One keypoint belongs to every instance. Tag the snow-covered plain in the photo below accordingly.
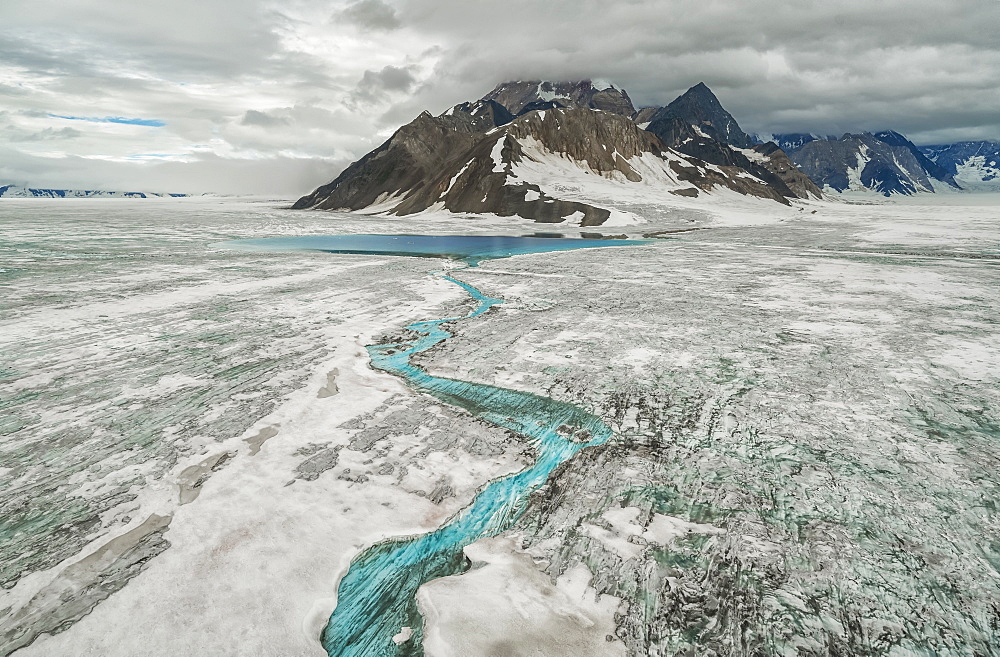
(194, 446)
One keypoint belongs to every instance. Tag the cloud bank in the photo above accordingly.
(255, 96)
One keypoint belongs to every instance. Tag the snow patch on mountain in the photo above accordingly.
(978, 170)
(603, 85)
(497, 154)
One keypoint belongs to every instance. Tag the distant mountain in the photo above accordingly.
(473, 158)
(792, 141)
(931, 168)
(886, 163)
(15, 191)
(974, 164)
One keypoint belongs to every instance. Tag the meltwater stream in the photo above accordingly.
(376, 597)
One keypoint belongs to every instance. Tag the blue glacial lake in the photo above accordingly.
(470, 248)
(376, 597)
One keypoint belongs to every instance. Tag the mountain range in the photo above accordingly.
(975, 164)
(17, 191)
(508, 152)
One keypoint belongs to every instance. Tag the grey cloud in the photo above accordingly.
(49, 134)
(813, 66)
(305, 130)
(254, 117)
(370, 15)
(390, 78)
(328, 90)
(375, 85)
(7, 90)
(191, 38)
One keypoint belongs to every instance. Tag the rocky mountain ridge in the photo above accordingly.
(499, 154)
(442, 163)
(495, 155)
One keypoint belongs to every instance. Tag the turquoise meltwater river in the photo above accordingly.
(376, 597)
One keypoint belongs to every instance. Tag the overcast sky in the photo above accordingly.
(256, 96)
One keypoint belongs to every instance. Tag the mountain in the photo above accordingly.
(16, 191)
(886, 163)
(975, 164)
(521, 97)
(696, 124)
(472, 158)
(691, 140)
(931, 168)
(699, 107)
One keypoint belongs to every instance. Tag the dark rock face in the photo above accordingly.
(516, 96)
(479, 116)
(674, 131)
(414, 153)
(476, 179)
(644, 115)
(541, 105)
(777, 162)
(699, 107)
(982, 157)
(888, 167)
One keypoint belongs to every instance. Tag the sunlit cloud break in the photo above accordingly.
(155, 123)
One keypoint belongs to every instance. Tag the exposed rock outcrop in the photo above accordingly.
(777, 162)
(885, 162)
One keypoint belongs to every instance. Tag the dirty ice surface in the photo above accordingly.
(804, 400)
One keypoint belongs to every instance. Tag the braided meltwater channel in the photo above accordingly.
(376, 598)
